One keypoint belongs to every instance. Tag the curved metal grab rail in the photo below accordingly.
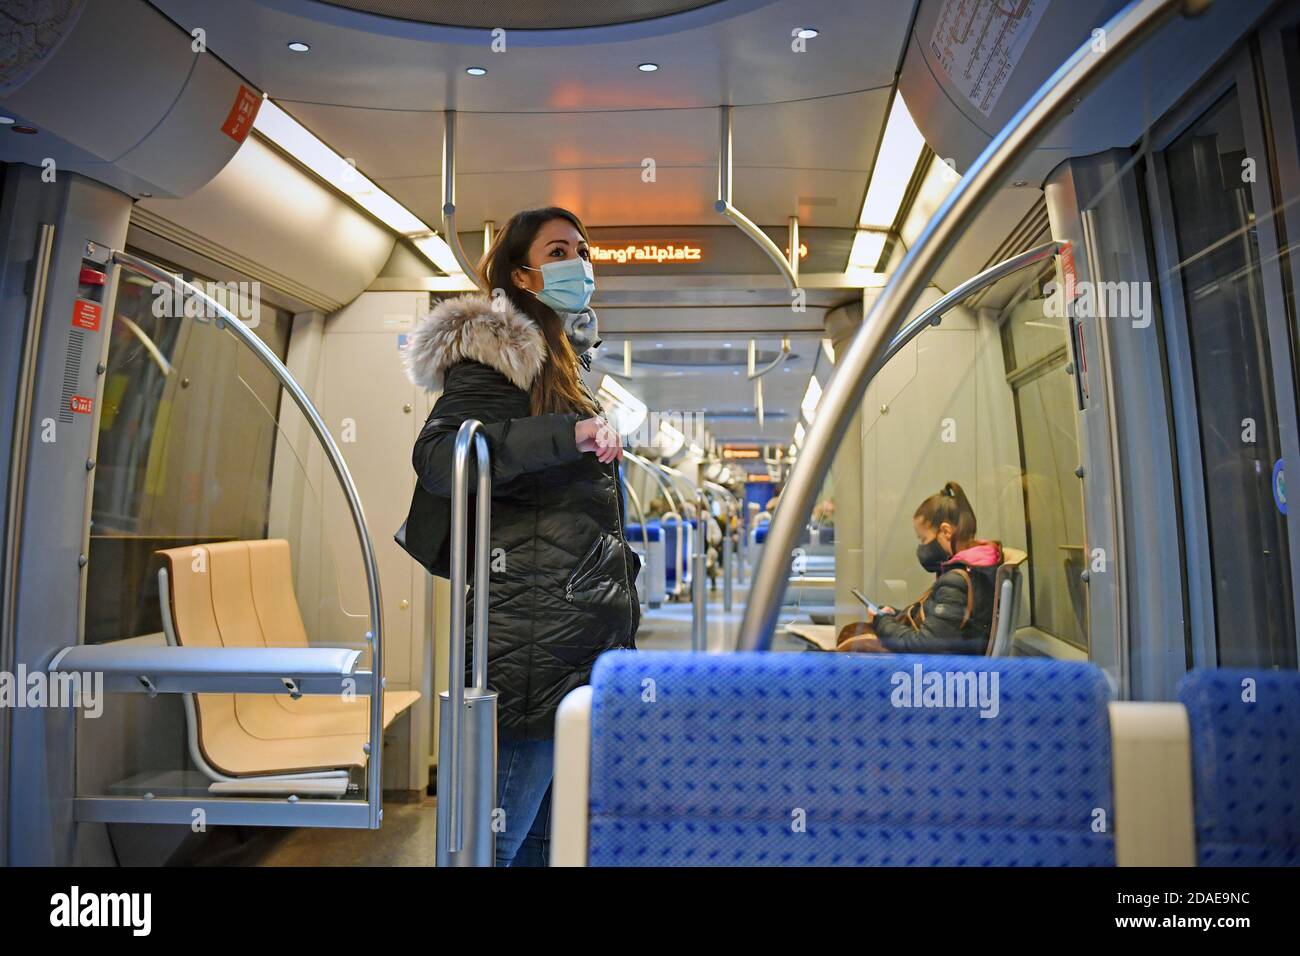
(780, 358)
(1084, 69)
(449, 233)
(374, 748)
(687, 487)
(657, 474)
(723, 206)
(733, 558)
(933, 315)
(645, 533)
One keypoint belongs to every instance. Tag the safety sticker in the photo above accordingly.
(85, 315)
(242, 114)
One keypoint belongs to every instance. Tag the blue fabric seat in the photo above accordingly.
(805, 534)
(634, 534)
(1245, 765)
(777, 759)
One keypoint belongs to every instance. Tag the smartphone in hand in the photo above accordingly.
(873, 608)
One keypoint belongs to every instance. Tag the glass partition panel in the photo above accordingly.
(980, 406)
(202, 455)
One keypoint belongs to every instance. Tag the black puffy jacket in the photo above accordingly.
(562, 573)
(954, 616)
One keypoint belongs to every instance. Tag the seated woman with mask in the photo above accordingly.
(955, 614)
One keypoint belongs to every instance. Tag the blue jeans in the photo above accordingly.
(524, 769)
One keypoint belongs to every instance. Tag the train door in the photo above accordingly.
(1221, 265)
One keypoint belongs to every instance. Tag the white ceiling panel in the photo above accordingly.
(735, 51)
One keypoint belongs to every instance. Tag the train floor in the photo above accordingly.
(410, 819)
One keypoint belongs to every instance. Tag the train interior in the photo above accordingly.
(220, 223)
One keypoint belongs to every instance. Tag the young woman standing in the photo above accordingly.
(561, 589)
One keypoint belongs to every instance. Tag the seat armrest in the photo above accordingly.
(1152, 772)
(572, 782)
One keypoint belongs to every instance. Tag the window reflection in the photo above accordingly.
(185, 448)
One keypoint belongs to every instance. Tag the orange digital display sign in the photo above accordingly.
(646, 253)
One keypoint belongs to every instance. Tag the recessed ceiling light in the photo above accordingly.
(807, 33)
(659, 345)
(726, 345)
(297, 46)
(475, 70)
(7, 121)
(647, 67)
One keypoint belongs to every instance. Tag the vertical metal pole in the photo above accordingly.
(724, 157)
(727, 559)
(742, 539)
(794, 247)
(700, 582)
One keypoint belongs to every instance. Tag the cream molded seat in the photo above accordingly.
(243, 596)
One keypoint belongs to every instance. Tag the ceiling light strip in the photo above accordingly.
(312, 153)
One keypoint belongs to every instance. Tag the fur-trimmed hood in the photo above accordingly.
(469, 328)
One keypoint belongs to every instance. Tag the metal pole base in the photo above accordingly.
(479, 722)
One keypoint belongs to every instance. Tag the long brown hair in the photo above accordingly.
(950, 504)
(557, 387)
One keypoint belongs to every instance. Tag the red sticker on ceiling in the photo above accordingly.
(242, 114)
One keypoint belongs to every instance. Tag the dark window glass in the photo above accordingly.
(1218, 252)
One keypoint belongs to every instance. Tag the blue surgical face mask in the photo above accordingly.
(567, 285)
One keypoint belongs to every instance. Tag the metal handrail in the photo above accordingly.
(933, 315)
(471, 431)
(657, 474)
(780, 358)
(373, 748)
(700, 580)
(746, 225)
(449, 233)
(1084, 69)
(682, 482)
(732, 504)
(645, 536)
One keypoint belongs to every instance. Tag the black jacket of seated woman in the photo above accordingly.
(561, 582)
(955, 614)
